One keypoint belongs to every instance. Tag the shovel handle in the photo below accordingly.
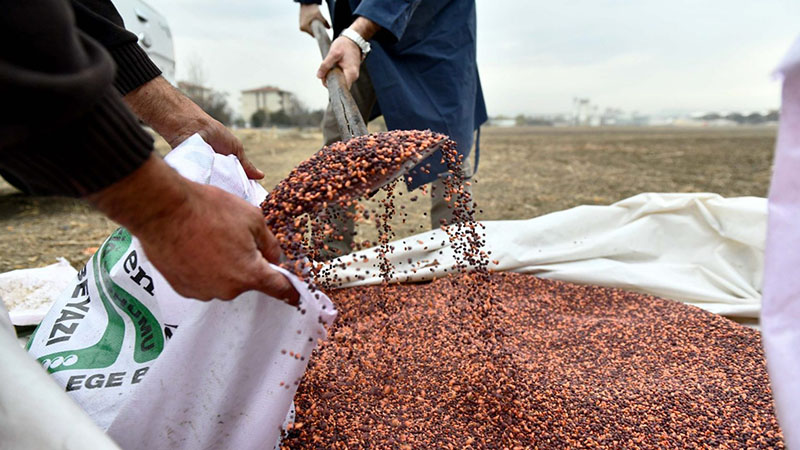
(345, 109)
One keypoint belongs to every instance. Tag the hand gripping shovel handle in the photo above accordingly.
(348, 118)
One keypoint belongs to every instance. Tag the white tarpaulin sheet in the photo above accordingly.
(780, 320)
(29, 293)
(700, 249)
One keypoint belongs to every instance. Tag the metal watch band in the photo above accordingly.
(359, 41)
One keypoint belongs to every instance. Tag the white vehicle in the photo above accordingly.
(153, 32)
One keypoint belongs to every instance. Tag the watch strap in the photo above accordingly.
(362, 43)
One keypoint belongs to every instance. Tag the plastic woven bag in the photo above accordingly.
(157, 370)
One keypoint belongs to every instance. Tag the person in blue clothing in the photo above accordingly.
(414, 62)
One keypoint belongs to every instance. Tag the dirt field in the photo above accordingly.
(524, 172)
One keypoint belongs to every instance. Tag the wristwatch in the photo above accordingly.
(353, 35)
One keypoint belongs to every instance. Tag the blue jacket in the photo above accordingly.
(423, 67)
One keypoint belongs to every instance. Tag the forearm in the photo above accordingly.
(205, 242)
(176, 118)
(146, 197)
(166, 110)
(365, 27)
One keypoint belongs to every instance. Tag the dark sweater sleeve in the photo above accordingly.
(63, 127)
(103, 23)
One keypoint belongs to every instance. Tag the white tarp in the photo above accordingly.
(780, 319)
(700, 249)
(29, 293)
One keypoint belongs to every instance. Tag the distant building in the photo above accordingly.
(270, 99)
(619, 117)
(584, 113)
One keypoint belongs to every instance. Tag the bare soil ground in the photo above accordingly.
(524, 172)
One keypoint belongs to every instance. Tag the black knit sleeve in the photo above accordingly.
(63, 127)
(134, 67)
(101, 20)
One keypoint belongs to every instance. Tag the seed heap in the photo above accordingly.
(303, 208)
(531, 363)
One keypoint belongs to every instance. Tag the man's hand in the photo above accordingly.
(207, 243)
(346, 54)
(308, 14)
(175, 117)
(217, 246)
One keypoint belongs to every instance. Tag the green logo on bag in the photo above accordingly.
(149, 339)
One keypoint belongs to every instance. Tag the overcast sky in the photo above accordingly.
(533, 56)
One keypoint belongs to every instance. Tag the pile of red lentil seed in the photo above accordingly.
(531, 363)
(300, 213)
(503, 360)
